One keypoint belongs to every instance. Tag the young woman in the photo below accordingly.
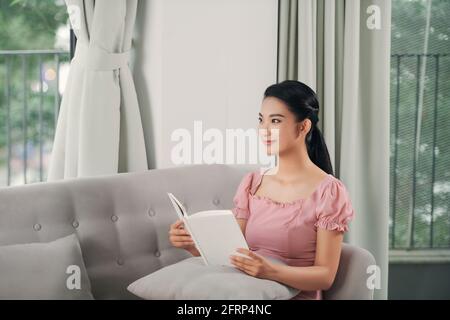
(299, 213)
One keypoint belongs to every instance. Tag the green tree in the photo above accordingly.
(28, 25)
(408, 37)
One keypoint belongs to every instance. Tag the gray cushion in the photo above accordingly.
(190, 279)
(44, 271)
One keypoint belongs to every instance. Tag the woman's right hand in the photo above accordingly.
(179, 237)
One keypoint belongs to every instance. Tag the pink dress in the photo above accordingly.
(288, 230)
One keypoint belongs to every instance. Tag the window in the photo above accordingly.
(34, 63)
(420, 125)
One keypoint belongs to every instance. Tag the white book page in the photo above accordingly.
(182, 214)
(208, 212)
(219, 235)
(179, 208)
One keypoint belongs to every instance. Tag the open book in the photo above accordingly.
(216, 233)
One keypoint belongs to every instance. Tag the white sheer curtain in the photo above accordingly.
(99, 129)
(341, 48)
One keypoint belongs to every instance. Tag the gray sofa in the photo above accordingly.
(122, 222)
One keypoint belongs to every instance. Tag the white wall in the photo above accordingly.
(208, 60)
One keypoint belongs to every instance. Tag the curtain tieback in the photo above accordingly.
(94, 57)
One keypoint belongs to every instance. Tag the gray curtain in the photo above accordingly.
(337, 48)
(99, 129)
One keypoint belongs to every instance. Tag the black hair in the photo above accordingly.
(303, 103)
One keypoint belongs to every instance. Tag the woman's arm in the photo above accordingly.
(321, 275)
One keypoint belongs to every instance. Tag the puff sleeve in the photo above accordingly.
(240, 200)
(335, 209)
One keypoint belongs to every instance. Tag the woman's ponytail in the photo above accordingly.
(318, 151)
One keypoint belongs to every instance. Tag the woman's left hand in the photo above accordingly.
(256, 265)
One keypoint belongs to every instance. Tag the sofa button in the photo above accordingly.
(151, 212)
(120, 262)
(37, 227)
(216, 202)
(157, 253)
(75, 224)
(114, 218)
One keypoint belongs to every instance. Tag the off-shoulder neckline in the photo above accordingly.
(288, 203)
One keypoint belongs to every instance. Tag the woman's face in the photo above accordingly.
(274, 114)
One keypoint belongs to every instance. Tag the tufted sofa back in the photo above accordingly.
(122, 220)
